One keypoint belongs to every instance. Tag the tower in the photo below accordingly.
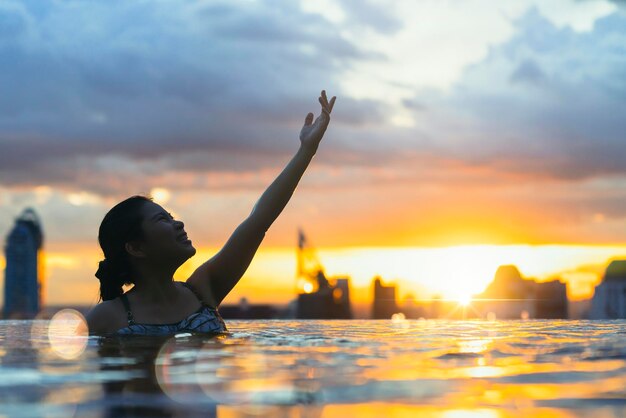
(23, 274)
(384, 300)
(609, 298)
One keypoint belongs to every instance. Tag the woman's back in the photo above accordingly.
(204, 320)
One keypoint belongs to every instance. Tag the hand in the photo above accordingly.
(312, 132)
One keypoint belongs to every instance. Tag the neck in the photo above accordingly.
(154, 285)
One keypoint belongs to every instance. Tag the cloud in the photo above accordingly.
(147, 81)
(178, 88)
(550, 102)
(197, 97)
(374, 14)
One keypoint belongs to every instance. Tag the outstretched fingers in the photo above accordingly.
(325, 108)
(328, 107)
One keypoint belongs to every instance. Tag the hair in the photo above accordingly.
(120, 225)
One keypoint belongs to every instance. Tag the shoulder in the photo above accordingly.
(105, 317)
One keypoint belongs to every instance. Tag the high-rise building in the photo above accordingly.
(23, 274)
(609, 298)
(384, 301)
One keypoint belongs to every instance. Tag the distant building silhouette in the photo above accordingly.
(511, 296)
(609, 298)
(23, 275)
(245, 310)
(551, 300)
(341, 295)
(411, 309)
(320, 297)
(384, 300)
(327, 302)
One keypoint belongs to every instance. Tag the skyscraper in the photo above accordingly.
(609, 298)
(384, 301)
(23, 275)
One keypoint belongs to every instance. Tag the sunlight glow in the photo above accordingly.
(465, 300)
(423, 272)
(64, 261)
(456, 271)
(83, 198)
(160, 195)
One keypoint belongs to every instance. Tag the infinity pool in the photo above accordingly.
(311, 368)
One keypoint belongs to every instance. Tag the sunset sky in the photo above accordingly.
(465, 135)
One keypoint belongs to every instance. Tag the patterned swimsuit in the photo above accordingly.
(205, 320)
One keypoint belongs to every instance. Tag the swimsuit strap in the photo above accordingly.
(195, 292)
(124, 298)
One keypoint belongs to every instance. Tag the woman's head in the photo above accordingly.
(138, 231)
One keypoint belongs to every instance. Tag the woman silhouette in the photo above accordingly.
(144, 245)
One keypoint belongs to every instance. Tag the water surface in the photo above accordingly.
(315, 368)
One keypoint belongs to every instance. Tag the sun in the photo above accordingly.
(464, 300)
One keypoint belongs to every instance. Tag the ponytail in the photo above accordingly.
(112, 277)
(120, 225)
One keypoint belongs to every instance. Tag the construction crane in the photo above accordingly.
(317, 298)
(310, 272)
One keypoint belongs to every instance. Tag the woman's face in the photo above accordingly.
(165, 238)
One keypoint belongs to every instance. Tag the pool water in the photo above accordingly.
(321, 368)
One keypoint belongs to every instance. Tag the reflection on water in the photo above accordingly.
(362, 368)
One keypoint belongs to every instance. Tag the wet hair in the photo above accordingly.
(120, 225)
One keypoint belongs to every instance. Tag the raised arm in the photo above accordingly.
(219, 275)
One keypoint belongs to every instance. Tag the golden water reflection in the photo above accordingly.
(322, 369)
(480, 368)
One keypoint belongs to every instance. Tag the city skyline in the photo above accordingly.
(422, 273)
(508, 295)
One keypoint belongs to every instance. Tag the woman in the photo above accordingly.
(144, 245)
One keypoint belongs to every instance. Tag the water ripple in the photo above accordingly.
(568, 366)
